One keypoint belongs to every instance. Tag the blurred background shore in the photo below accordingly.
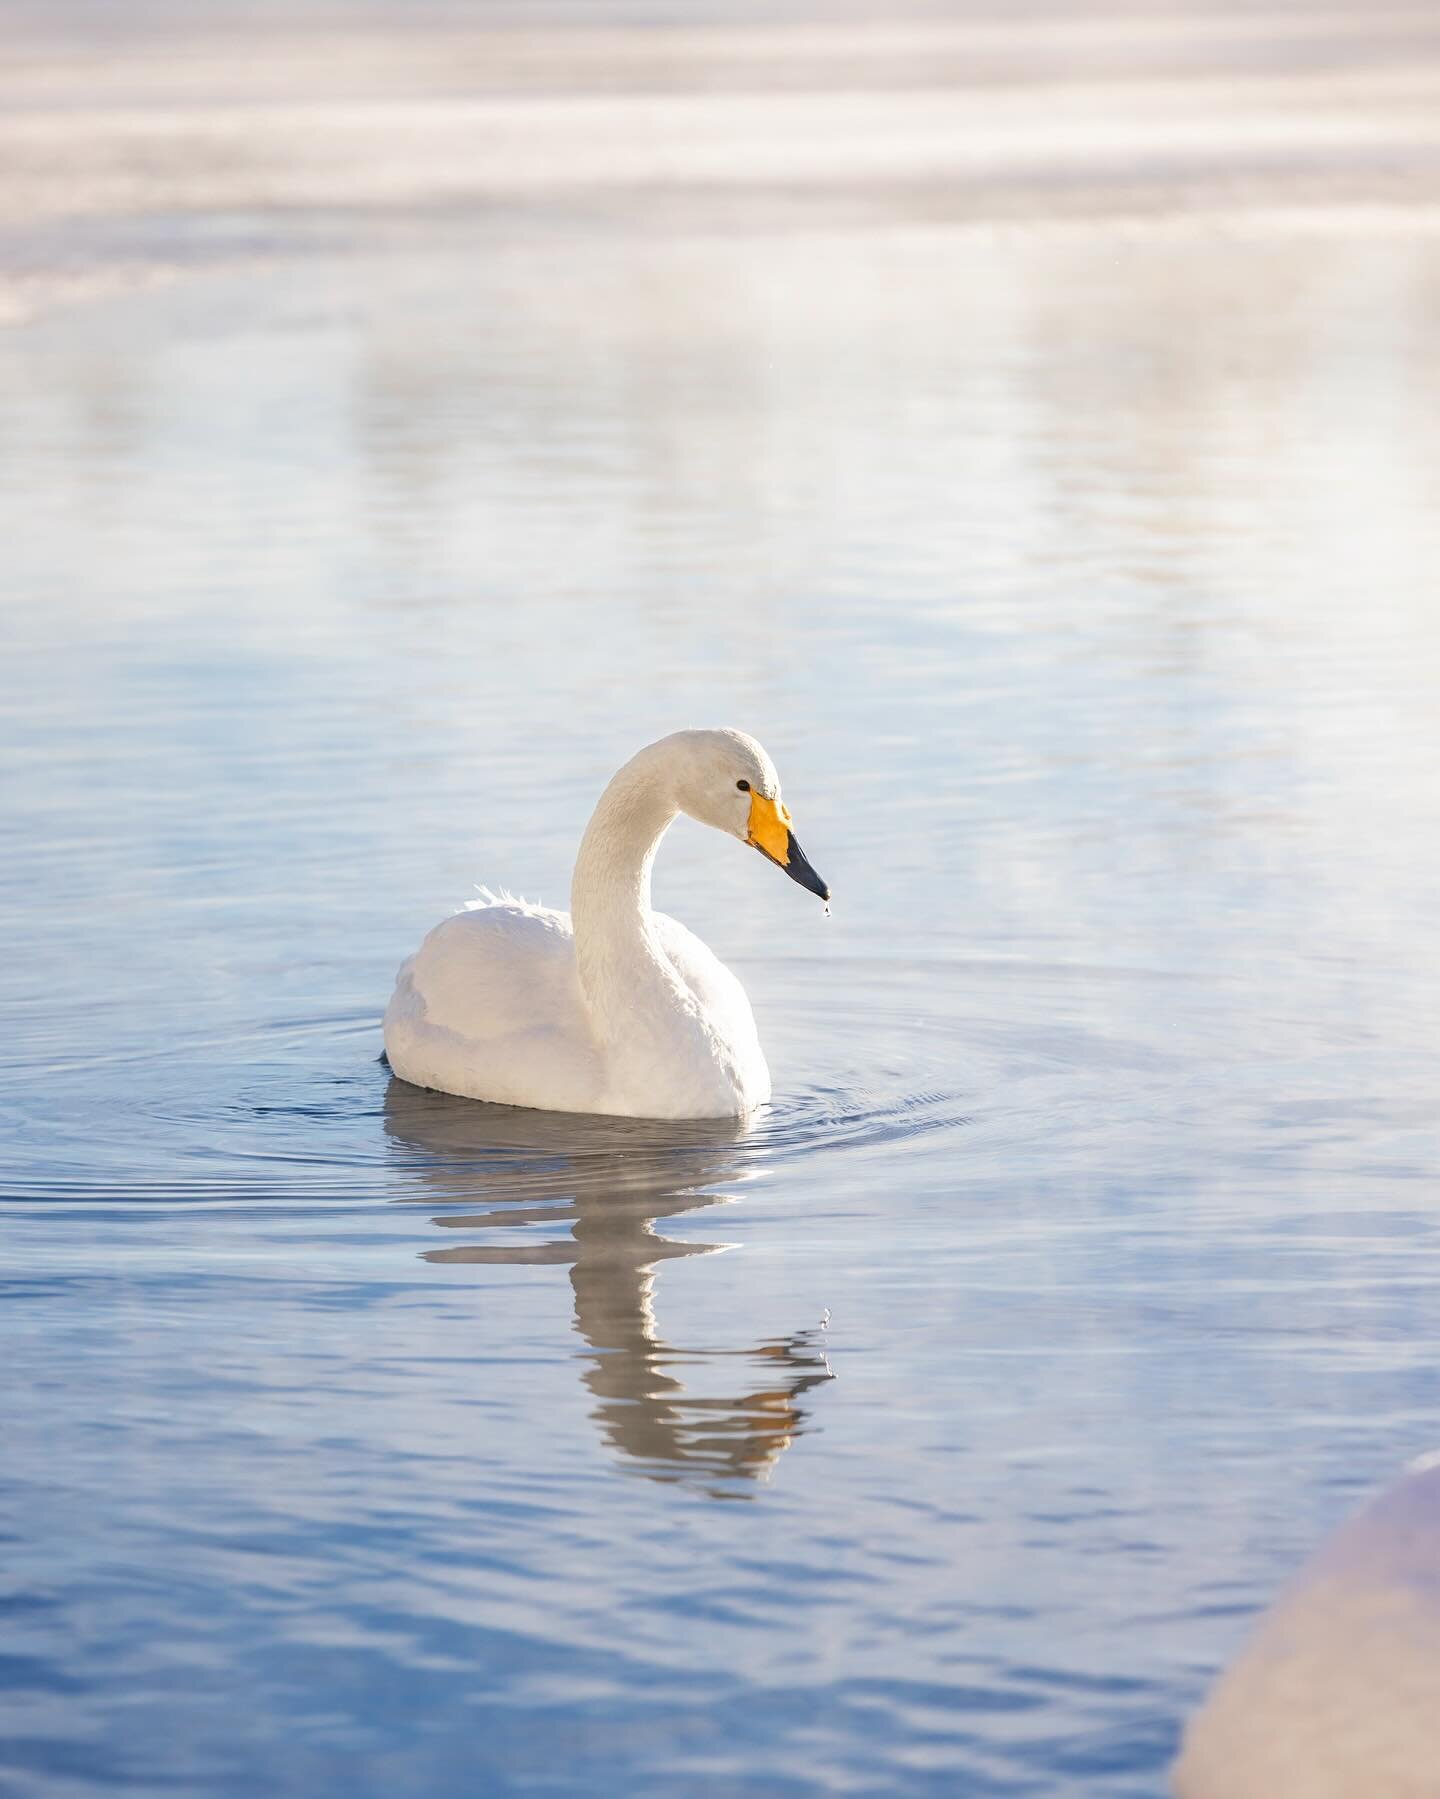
(139, 143)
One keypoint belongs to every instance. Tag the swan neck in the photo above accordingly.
(615, 945)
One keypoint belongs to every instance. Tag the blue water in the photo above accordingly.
(940, 1433)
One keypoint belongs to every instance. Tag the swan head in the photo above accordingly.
(725, 779)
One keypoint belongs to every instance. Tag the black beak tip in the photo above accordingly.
(798, 868)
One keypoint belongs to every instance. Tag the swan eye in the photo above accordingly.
(744, 786)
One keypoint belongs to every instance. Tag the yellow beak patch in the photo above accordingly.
(770, 828)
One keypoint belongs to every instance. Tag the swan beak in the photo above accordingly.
(770, 833)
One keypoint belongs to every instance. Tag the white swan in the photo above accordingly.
(611, 1007)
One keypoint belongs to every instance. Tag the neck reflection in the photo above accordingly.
(611, 1180)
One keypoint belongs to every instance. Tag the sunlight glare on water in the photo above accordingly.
(937, 1433)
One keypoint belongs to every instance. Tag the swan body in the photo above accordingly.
(612, 1007)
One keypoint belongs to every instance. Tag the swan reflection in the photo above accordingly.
(611, 1180)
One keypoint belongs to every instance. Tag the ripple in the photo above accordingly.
(816, 1118)
(305, 1113)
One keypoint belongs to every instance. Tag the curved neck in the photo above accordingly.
(615, 947)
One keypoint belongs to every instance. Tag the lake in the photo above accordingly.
(940, 1432)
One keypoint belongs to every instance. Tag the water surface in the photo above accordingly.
(939, 1433)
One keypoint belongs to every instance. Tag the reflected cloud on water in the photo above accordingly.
(611, 1180)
